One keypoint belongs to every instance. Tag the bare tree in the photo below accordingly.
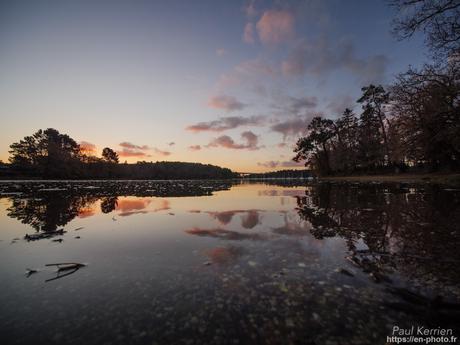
(438, 19)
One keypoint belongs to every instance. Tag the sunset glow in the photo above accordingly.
(230, 83)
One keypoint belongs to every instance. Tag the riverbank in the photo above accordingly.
(445, 179)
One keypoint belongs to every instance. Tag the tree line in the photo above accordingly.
(414, 123)
(51, 154)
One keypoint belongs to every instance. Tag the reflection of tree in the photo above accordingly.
(108, 204)
(48, 212)
(415, 230)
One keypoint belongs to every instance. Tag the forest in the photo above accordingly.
(413, 124)
(50, 154)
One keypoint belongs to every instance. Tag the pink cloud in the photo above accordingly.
(294, 126)
(132, 153)
(250, 8)
(226, 123)
(321, 57)
(133, 150)
(194, 147)
(280, 164)
(131, 146)
(87, 147)
(161, 153)
(221, 52)
(254, 71)
(276, 26)
(227, 142)
(227, 103)
(248, 34)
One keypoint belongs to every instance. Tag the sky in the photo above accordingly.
(231, 83)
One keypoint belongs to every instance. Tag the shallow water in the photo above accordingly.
(204, 262)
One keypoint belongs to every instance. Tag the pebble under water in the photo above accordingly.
(226, 262)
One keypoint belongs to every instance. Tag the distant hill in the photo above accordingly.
(137, 171)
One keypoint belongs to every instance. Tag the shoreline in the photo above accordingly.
(434, 178)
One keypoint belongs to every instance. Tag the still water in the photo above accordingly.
(206, 262)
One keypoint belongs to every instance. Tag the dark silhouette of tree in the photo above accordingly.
(48, 212)
(439, 19)
(47, 152)
(108, 204)
(109, 155)
(316, 146)
(373, 124)
(426, 107)
(50, 154)
(347, 136)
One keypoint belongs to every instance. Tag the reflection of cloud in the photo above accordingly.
(275, 26)
(223, 255)
(86, 212)
(225, 123)
(128, 207)
(284, 192)
(227, 142)
(227, 103)
(291, 228)
(224, 217)
(250, 219)
(223, 234)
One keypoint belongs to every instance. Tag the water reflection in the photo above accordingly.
(220, 262)
(390, 228)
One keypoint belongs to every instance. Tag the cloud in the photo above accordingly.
(295, 105)
(282, 164)
(225, 123)
(320, 57)
(276, 26)
(133, 150)
(131, 146)
(340, 103)
(227, 103)
(87, 148)
(221, 52)
(160, 152)
(253, 71)
(227, 142)
(132, 153)
(293, 127)
(194, 147)
(248, 33)
(250, 9)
